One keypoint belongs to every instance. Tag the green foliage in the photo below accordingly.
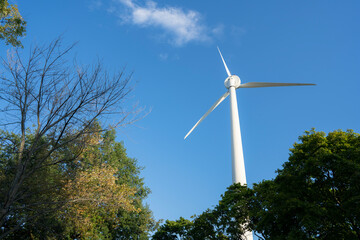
(316, 195)
(12, 25)
(62, 175)
(99, 195)
(228, 220)
(40, 193)
(179, 229)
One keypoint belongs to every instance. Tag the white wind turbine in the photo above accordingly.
(232, 82)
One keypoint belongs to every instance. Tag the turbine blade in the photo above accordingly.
(269, 84)
(208, 112)
(227, 70)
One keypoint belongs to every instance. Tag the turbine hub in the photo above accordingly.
(232, 81)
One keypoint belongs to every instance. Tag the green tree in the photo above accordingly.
(228, 220)
(172, 230)
(98, 196)
(316, 195)
(12, 25)
(52, 108)
(40, 194)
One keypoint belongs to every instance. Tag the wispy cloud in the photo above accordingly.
(95, 4)
(182, 26)
(163, 56)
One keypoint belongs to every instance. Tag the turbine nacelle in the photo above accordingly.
(232, 81)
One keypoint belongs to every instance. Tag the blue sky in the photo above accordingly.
(178, 74)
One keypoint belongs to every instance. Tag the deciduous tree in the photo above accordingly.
(52, 107)
(12, 25)
(228, 220)
(135, 222)
(98, 196)
(179, 229)
(316, 195)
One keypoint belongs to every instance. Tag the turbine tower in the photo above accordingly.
(233, 82)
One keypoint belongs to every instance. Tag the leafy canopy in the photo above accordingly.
(316, 195)
(12, 25)
(98, 196)
(52, 109)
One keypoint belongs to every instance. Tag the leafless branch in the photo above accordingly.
(46, 97)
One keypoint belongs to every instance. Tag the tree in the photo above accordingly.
(179, 229)
(316, 195)
(12, 25)
(93, 197)
(228, 220)
(98, 196)
(124, 224)
(52, 107)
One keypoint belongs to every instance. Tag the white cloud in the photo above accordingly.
(182, 26)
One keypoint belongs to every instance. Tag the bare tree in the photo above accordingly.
(55, 100)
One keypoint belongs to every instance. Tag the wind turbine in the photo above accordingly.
(233, 82)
